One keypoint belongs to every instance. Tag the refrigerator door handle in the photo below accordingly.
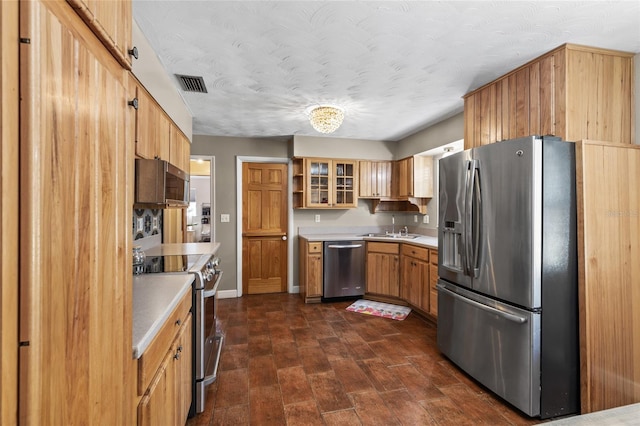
(477, 217)
(506, 315)
(468, 211)
(470, 246)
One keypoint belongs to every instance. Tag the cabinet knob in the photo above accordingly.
(176, 356)
(284, 238)
(178, 322)
(180, 348)
(133, 103)
(133, 52)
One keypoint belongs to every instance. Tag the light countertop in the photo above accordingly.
(625, 415)
(172, 249)
(425, 241)
(154, 298)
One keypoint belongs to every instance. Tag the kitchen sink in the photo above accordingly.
(390, 235)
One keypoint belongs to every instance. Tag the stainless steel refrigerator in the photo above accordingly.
(507, 288)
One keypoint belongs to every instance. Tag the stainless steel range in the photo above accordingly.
(208, 336)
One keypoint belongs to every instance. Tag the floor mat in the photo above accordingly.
(379, 309)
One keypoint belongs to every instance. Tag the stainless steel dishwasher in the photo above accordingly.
(343, 269)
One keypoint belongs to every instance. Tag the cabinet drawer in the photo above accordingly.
(150, 360)
(391, 248)
(421, 253)
(315, 247)
(433, 257)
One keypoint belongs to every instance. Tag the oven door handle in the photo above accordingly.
(212, 291)
(212, 377)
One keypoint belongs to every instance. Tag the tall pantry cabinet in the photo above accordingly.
(9, 212)
(76, 196)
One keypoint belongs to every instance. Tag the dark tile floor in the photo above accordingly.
(287, 363)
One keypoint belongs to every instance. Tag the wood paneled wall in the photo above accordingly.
(9, 212)
(609, 273)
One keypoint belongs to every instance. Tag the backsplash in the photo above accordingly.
(146, 222)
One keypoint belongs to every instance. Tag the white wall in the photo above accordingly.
(327, 147)
(150, 72)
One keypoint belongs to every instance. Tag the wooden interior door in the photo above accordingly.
(264, 228)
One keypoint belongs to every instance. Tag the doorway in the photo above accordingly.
(201, 211)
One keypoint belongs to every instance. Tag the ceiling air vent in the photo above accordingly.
(190, 83)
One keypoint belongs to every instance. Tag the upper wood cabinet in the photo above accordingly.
(325, 183)
(179, 149)
(573, 92)
(75, 214)
(111, 21)
(375, 179)
(413, 177)
(152, 127)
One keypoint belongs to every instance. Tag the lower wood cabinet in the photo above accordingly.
(383, 268)
(433, 281)
(415, 276)
(165, 371)
(310, 270)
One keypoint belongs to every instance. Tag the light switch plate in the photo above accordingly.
(140, 224)
(224, 218)
(425, 219)
(317, 218)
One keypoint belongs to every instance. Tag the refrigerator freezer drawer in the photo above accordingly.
(497, 344)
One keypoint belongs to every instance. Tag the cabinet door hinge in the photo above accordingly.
(25, 40)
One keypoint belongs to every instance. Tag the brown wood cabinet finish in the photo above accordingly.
(413, 177)
(111, 22)
(9, 211)
(164, 371)
(433, 281)
(415, 276)
(310, 270)
(179, 149)
(608, 273)
(375, 179)
(383, 268)
(574, 92)
(76, 152)
(325, 183)
(152, 127)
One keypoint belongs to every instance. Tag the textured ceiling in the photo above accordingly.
(395, 67)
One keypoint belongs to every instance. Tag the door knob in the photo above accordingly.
(284, 238)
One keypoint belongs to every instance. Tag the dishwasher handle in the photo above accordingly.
(344, 246)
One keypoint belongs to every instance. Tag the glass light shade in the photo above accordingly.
(326, 118)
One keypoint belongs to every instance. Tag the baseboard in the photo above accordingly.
(232, 294)
(227, 294)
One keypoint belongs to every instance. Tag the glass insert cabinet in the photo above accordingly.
(325, 183)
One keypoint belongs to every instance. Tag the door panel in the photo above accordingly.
(497, 344)
(264, 228)
(451, 211)
(511, 220)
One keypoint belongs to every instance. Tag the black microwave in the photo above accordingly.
(160, 184)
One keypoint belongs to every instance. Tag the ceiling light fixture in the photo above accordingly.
(325, 118)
